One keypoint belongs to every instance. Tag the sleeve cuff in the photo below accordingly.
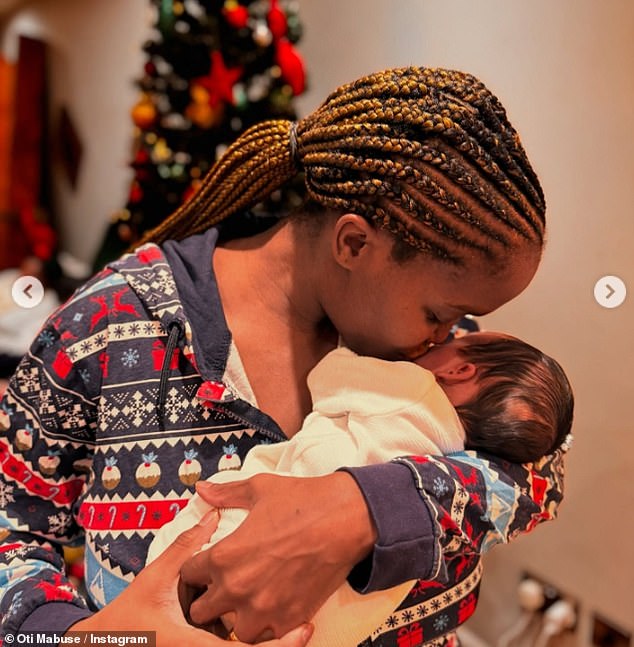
(406, 546)
(56, 617)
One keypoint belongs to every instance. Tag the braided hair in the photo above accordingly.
(427, 154)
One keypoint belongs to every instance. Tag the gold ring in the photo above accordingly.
(232, 636)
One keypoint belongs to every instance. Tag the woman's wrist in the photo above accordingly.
(360, 530)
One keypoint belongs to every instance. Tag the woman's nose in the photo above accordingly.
(442, 332)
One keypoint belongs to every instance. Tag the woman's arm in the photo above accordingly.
(383, 524)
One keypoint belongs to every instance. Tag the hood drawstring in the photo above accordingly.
(175, 331)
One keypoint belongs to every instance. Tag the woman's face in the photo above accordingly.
(394, 311)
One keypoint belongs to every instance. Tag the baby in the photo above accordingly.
(485, 391)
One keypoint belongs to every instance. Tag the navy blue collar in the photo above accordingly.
(191, 263)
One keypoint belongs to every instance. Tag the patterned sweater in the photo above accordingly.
(126, 399)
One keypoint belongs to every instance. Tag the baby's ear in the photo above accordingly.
(457, 373)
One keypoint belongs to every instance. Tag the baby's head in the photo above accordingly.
(513, 400)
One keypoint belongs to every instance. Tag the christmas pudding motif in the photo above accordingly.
(111, 475)
(48, 464)
(189, 470)
(230, 459)
(148, 473)
(24, 438)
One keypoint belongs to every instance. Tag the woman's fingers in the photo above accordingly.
(185, 545)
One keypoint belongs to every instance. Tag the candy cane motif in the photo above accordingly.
(143, 510)
(113, 513)
(54, 491)
(27, 476)
(176, 508)
(91, 510)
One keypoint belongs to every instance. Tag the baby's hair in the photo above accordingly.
(524, 406)
(427, 154)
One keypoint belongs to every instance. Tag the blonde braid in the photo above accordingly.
(428, 154)
(255, 165)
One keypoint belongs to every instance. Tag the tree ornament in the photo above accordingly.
(201, 111)
(144, 112)
(166, 17)
(291, 65)
(220, 80)
(136, 193)
(276, 20)
(262, 35)
(235, 14)
(150, 69)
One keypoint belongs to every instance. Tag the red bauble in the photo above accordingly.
(276, 19)
(136, 193)
(291, 66)
(235, 14)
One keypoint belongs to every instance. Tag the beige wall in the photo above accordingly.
(565, 71)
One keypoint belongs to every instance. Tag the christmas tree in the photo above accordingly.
(213, 68)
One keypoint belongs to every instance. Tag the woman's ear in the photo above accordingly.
(456, 373)
(352, 235)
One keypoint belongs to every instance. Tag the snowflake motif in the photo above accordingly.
(58, 523)
(46, 338)
(16, 603)
(119, 331)
(266, 441)
(134, 329)
(440, 487)
(84, 373)
(148, 328)
(447, 598)
(130, 357)
(441, 623)
(163, 283)
(72, 417)
(100, 340)
(435, 605)
(6, 494)
(86, 347)
(421, 611)
(461, 491)
(392, 621)
(72, 354)
(408, 616)
(459, 590)
(458, 508)
(29, 380)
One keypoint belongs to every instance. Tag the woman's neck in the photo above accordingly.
(268, 287)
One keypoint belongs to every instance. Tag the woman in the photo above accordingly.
(176, 360)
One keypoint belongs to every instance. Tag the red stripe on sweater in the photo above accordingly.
(61, 493)
(129, 515)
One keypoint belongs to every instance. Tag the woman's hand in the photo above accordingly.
(150, 603)
(300, 540)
